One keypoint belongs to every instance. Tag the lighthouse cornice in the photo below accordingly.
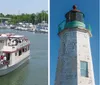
(75, 29)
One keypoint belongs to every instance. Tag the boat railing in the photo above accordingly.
(9, 48)
(22, 44)
(14, 47)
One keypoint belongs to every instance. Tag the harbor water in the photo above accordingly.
(35, 72)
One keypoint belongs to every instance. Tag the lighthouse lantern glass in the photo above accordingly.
(75, 16)
(79, 17)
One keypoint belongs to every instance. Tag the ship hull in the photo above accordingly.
(12, 68)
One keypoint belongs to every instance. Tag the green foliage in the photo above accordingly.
(30, 18)
(1, 15)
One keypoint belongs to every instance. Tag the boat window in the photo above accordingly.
(1, 41)
(19, 41)
(6, 43)
(28, 47)
(23, 49)
(20, 52)
(15, 53)
(8, 56)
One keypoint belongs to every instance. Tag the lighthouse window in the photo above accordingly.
(79, 17)
(73, 16)
(63, 48)
(84, 68)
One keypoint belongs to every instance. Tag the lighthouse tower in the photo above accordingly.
(75, 65)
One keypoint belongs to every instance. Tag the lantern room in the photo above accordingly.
(74, 19)
(74, 15)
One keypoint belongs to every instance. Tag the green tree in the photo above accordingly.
(30, 18)
(1, 15)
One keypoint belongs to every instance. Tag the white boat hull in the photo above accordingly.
(12, 68)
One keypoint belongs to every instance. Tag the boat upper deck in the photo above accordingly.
(10, 35)
(10, 42)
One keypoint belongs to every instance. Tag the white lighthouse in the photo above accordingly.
(75, 66)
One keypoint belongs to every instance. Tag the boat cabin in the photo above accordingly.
(12, 49)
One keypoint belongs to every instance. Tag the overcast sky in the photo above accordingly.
(22, 6)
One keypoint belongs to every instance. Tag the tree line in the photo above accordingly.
(33, 18)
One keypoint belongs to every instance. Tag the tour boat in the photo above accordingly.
(14, 51)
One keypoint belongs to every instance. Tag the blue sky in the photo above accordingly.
(22, 6)
(58, 8)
